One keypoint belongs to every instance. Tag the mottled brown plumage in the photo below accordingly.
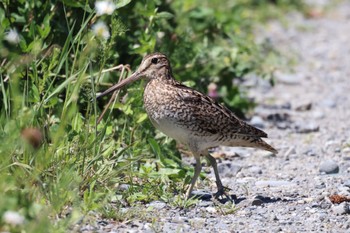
(189, 116)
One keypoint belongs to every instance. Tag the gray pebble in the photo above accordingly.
(282, 125)
(157, 204)
(286, 105)
(310, 152)
(278, 117)
(302, 127)
(255, 170)
(342, 208)
(347, 183)
(318, 115)
(328, 103)
(258, 122)
(102, 222)
(257, 201)
(123, 187)
(325, 205)
(179, 219)
(304, 107)
(322, 216)
(289, 79)
(315, 205)
(320, 186)
(329, 167)
(346, 151)
(205, 203)
(211, 209)
(228, 169)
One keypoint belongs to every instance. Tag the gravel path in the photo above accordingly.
(307, 117)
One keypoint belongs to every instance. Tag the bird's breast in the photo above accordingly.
(166, 112)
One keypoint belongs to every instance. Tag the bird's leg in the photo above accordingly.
(197, 171)
(221, 188)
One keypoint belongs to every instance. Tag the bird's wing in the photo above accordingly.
(214, 117)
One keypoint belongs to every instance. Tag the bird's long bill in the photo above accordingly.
(132, 78)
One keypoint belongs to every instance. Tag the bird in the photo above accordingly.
(190, 117)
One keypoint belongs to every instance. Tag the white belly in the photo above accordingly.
(184, 135)
(172, 130)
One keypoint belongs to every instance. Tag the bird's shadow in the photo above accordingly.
(257, 200)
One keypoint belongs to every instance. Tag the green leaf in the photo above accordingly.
(168, 171)
(141, 118)
(164, 15)
(155, 147)
(122, 3)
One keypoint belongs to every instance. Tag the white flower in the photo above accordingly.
(101, 30)
(160, 35)
(13, 218)
(104, 7)
(12, 36)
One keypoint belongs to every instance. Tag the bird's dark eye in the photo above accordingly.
(154, 60)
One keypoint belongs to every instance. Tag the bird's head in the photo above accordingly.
(153, 66)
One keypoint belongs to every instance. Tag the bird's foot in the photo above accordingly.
(223, 196)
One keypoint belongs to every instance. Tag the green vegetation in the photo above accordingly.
(57, 164)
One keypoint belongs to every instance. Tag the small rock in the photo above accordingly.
(197, 222)
(318, 115)
(211, 209)
(347, 183)
(255, 170)
(306, 127)
(304, 107)
(102, 222)
(274, 218)
(289, 79)
(329, 167)
(179, 219)
(315, 205)
(257, 201)
(320, 186)
(310, 152)
(325, 205)
(328, 103)
(278, 117)
(257, 121)
(229, 169)
(346, 151)
(342, 208)
(301, 201)
(205, 203)
(286, 105)
(123, 187)
(157, 205)
(282, 125)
